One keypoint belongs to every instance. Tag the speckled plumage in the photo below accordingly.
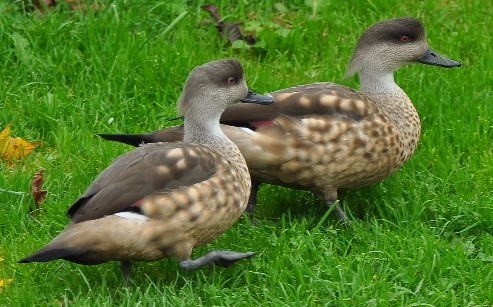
(163, 199)
(324, 137)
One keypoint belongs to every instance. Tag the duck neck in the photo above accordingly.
(203, 127)
(394, 103)
(372, 82)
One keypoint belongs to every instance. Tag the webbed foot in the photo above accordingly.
(219, 258)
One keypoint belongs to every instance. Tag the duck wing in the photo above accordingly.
(318, 99)
(302, 101)
(148, 170)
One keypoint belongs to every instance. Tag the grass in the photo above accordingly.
(423, 237)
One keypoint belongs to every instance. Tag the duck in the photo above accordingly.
(325, 137)
(162, 200)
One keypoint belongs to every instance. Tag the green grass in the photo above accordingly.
(422, 237)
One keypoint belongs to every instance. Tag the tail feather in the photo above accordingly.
(174, 134)
(129, 139)
(75, 256)
(46, 255)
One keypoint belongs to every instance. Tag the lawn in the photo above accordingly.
(423, 237)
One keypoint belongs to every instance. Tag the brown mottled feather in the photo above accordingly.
(324, 137)
(166, 167)
(163, 199)
(317, 98)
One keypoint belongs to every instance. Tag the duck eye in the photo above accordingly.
(231, 81)
(404, 38)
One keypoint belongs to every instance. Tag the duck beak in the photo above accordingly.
(432, 58)
(251, 97)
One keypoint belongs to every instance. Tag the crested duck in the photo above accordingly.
(324, 137)
(163, 199)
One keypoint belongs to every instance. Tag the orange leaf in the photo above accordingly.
(5, 133)
(13, 148)
(4, 283)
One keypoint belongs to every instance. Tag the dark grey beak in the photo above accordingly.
(251, 97)
(432, 58)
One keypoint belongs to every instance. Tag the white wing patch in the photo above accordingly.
(132, 216)
(247, 130)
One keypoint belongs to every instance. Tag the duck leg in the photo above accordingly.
(219, 258)
(252, 199)
(126, 268)
(339, 213)
(332, 200)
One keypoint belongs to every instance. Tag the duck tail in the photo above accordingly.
(174, 134)
(129, 139)
(46, 255)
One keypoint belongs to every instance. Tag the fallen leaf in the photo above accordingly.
(4, 283)
(13, 148)
(229, 31)
(36, 189)
(74, 5)
(42, 5)
(81, 5)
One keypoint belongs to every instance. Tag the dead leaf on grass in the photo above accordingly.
(229, 31)
(37, 191)
(4, 282)
(74, 5)
(12, 149)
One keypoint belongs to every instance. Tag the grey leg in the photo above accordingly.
(252, 200)
(219, 258)
(126, 268)
(341, 216)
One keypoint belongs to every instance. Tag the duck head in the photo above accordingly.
(217, 85)
(390, 44)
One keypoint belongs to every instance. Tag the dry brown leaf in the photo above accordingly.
(74, 5)
(81, 5)
(229, 31)
(36, 189)
(42, 5)
(14, 148)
